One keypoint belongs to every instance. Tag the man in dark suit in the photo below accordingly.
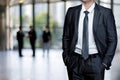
(20, 36)
(89, 41)
(32, 37)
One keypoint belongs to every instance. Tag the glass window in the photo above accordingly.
(56, 23)
(72, 3)
(57, 14)
(27, 15)
(14, 16)
(40, 21)
(117, 13)
(106, 1)
(117, 2)
(14, 24)
(117, 19)
(26, 22)
(105, 5)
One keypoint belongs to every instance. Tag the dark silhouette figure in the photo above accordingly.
(32, 38)
(20, 36)
(89, 41)
(46, 37)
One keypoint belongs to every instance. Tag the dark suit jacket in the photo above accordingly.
(104, 30)
(46, 36)
(32, 36)
(20, 36)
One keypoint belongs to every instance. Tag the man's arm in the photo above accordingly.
(66, 32)
(66, 36)
(111, 39)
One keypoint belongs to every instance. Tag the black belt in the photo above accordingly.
(90, 55)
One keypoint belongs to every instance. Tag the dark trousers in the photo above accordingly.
(20, 46)
(33, 47)
(90, 69)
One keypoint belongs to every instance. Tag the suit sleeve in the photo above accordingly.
(111, 39)
(66, 31)
(66, 36)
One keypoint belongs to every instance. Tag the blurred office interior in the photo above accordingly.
(39, 13)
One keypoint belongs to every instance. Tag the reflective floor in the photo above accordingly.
(47, 67)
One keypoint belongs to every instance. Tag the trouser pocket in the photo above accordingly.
(72, 62)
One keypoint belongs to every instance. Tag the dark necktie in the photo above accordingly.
(85, 44)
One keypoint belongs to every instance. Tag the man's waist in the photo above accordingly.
(93, 55)
(91, 51)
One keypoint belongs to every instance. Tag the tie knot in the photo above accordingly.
(86, 12)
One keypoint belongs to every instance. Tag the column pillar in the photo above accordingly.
(2, 28)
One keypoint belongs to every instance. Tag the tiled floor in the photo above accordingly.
(49, 67)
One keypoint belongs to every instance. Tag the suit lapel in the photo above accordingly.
(77, 16)
(96, 18)
(75, 23)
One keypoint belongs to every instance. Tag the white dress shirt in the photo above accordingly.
(92, 45)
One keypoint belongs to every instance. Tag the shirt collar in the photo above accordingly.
(90, 9)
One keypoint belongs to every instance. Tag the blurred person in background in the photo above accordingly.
(32, 38)
(20, 37)
(46, 38)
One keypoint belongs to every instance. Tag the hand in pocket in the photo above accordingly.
(72, 62)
